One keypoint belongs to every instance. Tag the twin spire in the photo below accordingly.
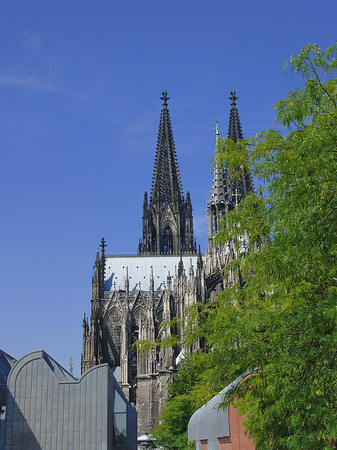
(234, 128)
(227, 192)
(167, 217)
(166, 184)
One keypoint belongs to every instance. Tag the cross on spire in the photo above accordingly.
(164, 97)
(236, 195)
(233, 97)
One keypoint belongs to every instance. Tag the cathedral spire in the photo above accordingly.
(166, 185)
(236, 189)
(227, 192)
(218, 195)
(218, 191)
(167, 217)
(234, 128)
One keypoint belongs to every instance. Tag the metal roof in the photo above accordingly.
(211, 421)
(139, 270)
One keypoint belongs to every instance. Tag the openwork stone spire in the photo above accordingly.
(166, 184)
(217, 201)
(227, 191)
(234, 128)
(237, 189)
(218, 192)
(167, 218)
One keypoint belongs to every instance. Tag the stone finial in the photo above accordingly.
(164, 97)
(103, 245)
(233, 97)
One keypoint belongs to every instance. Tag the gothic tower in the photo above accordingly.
(167, 217)
(236, 189)
(227, 191)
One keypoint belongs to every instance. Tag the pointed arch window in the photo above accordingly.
(214, 221)
(154, 240)
(168, 241)
(112, 339)
(134, 355)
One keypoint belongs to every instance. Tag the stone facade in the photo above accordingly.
(133, 295)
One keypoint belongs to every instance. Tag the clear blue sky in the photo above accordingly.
(80, 83)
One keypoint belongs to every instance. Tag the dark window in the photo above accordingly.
(134, 338)
(113, 339)
(168, 247)
(154, 241)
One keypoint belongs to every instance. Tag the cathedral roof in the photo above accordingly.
(166, 184)
(139, 270)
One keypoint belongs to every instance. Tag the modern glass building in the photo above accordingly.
(43, 407)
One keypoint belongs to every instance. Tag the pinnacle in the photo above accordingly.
(233, 97)
(216, 128)
(234, 129)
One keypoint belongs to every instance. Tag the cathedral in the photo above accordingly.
(133, 295)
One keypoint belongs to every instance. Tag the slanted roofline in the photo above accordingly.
(59, 371)
(211, 421)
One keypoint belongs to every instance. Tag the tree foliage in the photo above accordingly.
(283, 321)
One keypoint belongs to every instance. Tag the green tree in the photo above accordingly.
(283, 321)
